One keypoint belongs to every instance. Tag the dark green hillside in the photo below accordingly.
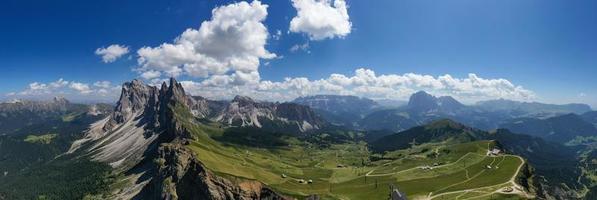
(590, 117)
(21, 150)
(64, 178)
(555, 162)
(37, 133)
(437, 131)
(560, 129)
(551, 162)
(391, 119)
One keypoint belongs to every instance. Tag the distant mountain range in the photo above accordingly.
(531, 108)
(33, 133)
(561, 129)
(590, 117)
(19, 115)
(340, 110)
(362, 113)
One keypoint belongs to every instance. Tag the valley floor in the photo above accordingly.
(345, 171)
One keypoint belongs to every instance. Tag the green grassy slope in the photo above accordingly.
(345, 170)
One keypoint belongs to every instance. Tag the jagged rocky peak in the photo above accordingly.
(151, 105)
(240, 98)
(136, 98)
(422, 100)
(293, 111)
(173, 91)
(136, 95)
(142, 115)
(243, 100)
(244, 111)
(60, 100)
(247, 104)
(449, 102)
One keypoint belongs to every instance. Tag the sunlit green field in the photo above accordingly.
(42, 139)
(344, 171)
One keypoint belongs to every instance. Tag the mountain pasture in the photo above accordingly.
(346, 171)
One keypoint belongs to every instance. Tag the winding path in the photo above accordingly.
(414, 168)
(517, 188)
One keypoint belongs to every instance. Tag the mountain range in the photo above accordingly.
(158, 142)
(340, 110)
(562, 128)
(552, 122)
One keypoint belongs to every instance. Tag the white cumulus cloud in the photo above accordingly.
(98, 91)
(80, 87)
(230, 44)
(364, 82)
(112, 52)
(59, 83)
(151, 74)
(102, 84)
(320, 19)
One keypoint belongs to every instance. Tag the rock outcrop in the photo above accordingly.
(424, 102)
(244, 111)
(136, 100)
(143, 117)
(180, 175)
(144, 138)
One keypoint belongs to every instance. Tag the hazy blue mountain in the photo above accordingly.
(15, 116)
(423, 108)
(531, 108)
(424, 102)
(561, 129)
(391, 103)
(339, 109)
(590, 117)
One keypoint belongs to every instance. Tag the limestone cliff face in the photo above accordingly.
(180, 175)
(136, 100)
(144, 139)
(244, 111)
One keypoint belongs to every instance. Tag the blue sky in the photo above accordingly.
(548, 48)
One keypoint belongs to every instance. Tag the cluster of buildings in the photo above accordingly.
(494, 152)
